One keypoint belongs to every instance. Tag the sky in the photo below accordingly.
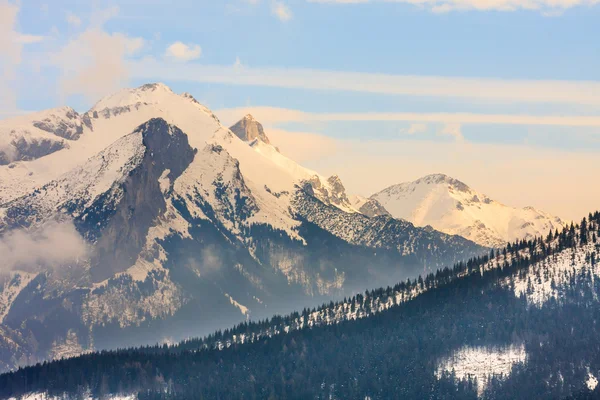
(501, 94)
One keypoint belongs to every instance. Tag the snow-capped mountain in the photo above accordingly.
(156, 223)
(451, 206)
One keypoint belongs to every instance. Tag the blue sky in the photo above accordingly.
(440, 70)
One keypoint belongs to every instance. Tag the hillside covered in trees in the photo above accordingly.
(521, 322)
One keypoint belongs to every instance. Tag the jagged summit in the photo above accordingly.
(249, 129)
(147, 93)
(451, 206)
(439, 178)
(182, 222)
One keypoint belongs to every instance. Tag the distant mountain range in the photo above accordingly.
(451, 206)
(144, 219)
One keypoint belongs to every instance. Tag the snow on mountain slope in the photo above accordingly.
(450, 206)
(369, 207)
(271, 175)
(10, 287)
(328, 190)
(185, 222)
(36, 135)
(482, 363)
(110, 119)
(82, 185)
(552, 278)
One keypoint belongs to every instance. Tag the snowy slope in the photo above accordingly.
(450, 206)
(110, 119)
(367, 206)
(36, 135)
(185, 222)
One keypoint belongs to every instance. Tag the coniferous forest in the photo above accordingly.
(380, 348)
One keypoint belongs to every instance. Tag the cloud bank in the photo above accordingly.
(11, 46)
(546, 7)
(488, 89)
(54, 245)
(275, 115)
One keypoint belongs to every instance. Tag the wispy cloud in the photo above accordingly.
(454, 131)
(29, 39)
(11, 47)
(92, 63)
(497, 90)
(73, 19)
(415, 128)
(546, 7)
(179, 51)
(274, 115)
(281, 11)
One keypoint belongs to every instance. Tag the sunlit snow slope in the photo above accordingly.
(450, 206)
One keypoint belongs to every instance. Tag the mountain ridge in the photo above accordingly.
(185, 233)
(451, 206)
(462, 331)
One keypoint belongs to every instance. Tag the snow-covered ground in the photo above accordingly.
(45, 396)
(591, 382)
(482, 363)
(11, 285)
(547, 279)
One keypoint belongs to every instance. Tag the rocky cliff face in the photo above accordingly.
(249, 129)
(184, 229)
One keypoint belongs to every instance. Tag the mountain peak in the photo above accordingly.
(249, 129)
(452, 207)
(433, 179)
(147, 93)
(152, 87)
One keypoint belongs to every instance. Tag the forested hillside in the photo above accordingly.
(519, 323)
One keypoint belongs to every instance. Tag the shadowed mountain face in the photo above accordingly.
(182, 229)
(167, 154)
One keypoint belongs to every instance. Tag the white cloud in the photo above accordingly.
(416, 128)
(11, 47)
(546, 7)
(55, 244)
(497, 90)
(273, 115)
(238, 64)
(453, 130)
(179, 51)
(93, 62)
(29, 39)
(281, 11)
(73, 19)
